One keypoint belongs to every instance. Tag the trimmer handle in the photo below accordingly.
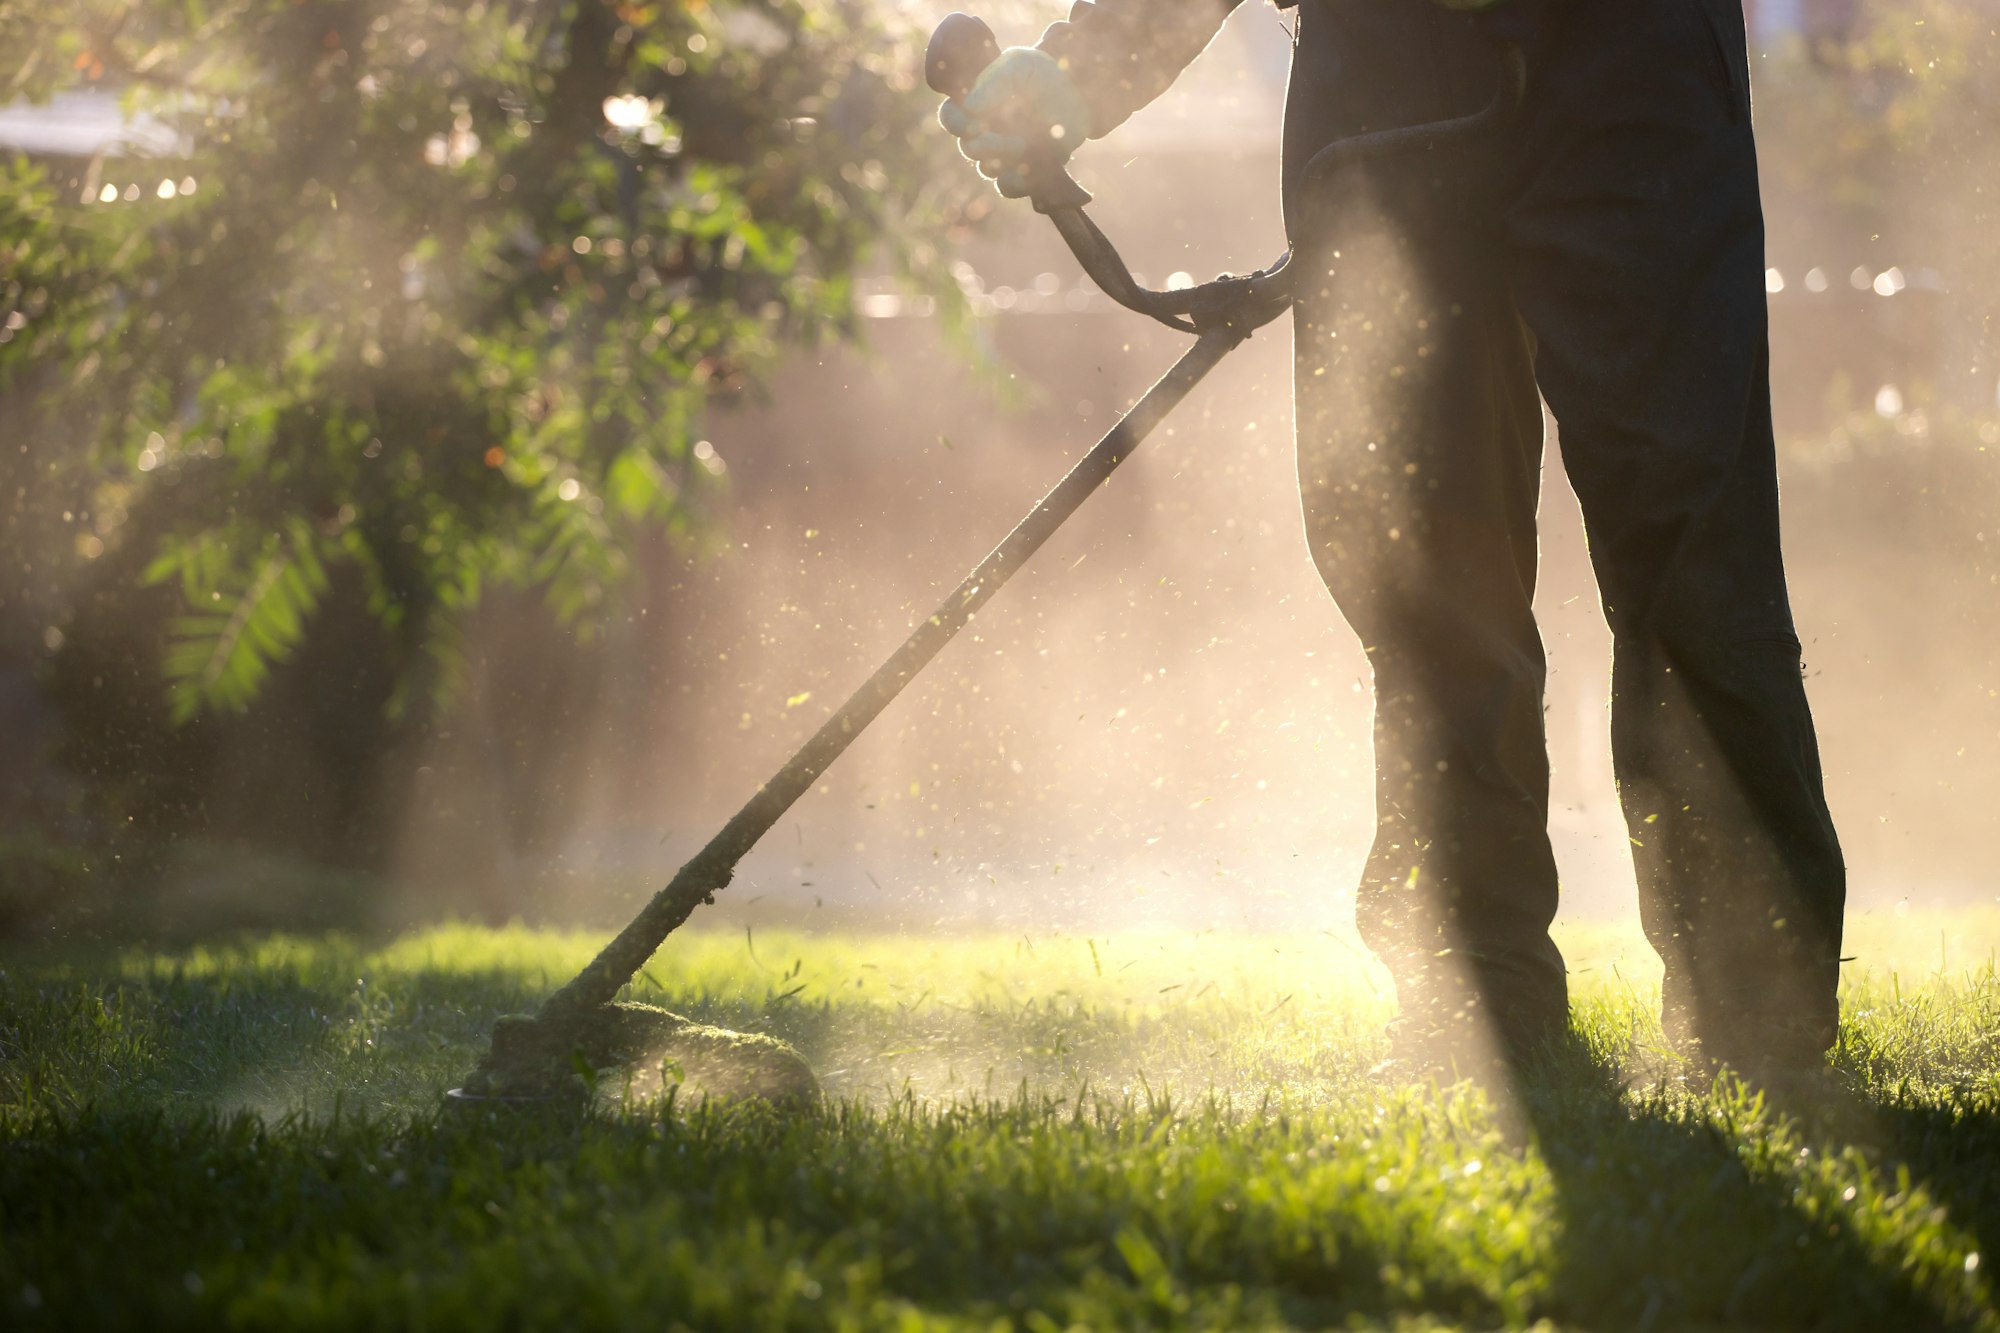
(960, 49)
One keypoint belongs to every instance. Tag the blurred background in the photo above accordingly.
(454, 452)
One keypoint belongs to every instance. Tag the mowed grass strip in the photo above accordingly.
(1147, 1130)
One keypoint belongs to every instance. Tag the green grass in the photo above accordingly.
(1029, 1132)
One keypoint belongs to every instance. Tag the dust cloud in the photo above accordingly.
(1163, 721)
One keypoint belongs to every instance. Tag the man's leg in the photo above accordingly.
(1419, 450)
(1636, 241)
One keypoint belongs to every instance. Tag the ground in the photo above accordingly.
(1028, 1132)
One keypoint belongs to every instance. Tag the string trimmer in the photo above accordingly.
(582, 1029)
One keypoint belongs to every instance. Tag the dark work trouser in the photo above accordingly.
(1606, 248)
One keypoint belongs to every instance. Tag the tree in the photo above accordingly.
(1878, 151)
(430, 298)
(405, 307)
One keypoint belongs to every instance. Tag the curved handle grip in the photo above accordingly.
(960, 49)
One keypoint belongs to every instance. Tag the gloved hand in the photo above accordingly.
(1022, 102)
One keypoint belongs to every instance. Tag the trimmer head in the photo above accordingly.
(557, 1059)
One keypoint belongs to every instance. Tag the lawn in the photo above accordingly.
(1027, 1132)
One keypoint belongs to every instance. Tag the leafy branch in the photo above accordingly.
(236, 629)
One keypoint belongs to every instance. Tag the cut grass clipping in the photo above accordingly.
(1030, 1133)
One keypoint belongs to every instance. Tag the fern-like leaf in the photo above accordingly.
(221, 653)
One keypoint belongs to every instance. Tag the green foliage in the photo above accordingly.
(435, 292)
(223, 655)
(1884, 136)
(1026, 1138)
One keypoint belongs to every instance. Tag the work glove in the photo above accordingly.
(1024, 101)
